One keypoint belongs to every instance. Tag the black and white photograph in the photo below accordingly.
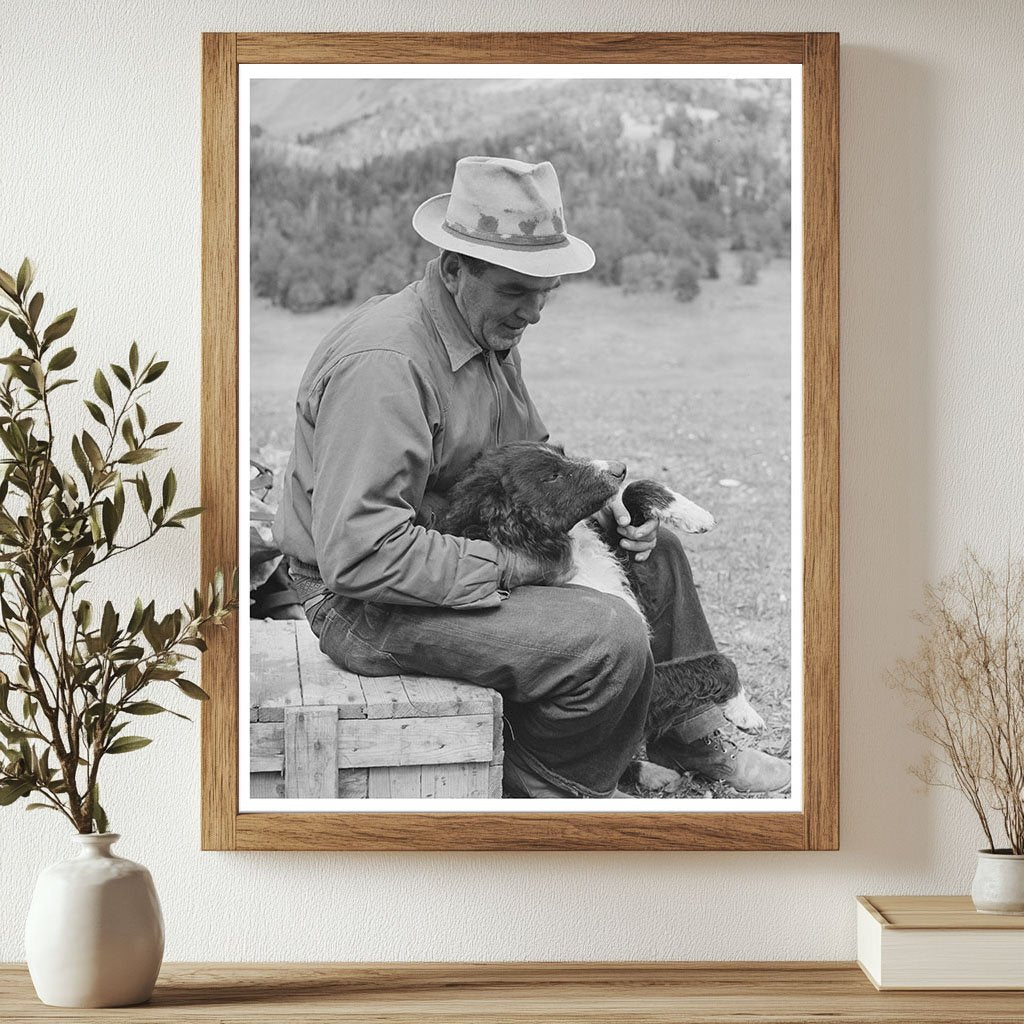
(520, 379)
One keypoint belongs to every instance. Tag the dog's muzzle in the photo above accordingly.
(616, 470)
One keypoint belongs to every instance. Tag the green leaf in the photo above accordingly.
(124, 744)
(99, 817)
(4, 314)
(80, 458)
(95, 412)
(108, 627)
(170, 488)
(191, 690)
(133, 358)
(128, 433)
(92, 449)
(166, 428)
(102, 388)
(109, 519)
(154, 371)
(140, 415)
(143, 707)
(34, 308)
(83, 613)
(185, 513)
(145, 497)
(60, 326)
(20, 328)
(15, 790)
(63, 359)
(139, 455)
(41, 807)
(26, 274)
(121, 374)
(8, 284)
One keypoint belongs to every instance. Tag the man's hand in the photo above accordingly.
(641, 540)
(517, 569)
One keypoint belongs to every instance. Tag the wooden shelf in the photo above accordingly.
(699, 993)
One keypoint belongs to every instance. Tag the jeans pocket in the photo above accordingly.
(341, 641)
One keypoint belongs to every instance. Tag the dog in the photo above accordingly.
(530, 497)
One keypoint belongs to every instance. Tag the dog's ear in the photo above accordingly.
(477, 504)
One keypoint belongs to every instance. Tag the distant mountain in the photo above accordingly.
(660, 174)
(347, 122)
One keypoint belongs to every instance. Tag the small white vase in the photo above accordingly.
(95, 934)
(999, 882)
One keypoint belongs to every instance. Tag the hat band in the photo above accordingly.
(494, 237)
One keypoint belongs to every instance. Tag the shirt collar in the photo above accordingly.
(458, 342)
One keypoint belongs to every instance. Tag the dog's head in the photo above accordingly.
(527, 495)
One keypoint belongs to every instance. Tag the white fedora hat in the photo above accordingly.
(508, 213)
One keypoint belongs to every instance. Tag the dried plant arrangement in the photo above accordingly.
(79, 672)
(967, 682)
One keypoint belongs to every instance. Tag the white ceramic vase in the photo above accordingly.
(95, 933)
(999, 882)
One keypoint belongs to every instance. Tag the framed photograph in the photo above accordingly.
(521, 420)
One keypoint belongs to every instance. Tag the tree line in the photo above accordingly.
(657, 185)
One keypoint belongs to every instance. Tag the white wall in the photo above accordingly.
(100, 183)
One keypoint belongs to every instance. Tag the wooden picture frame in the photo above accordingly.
(816, 825)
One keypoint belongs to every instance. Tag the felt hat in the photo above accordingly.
(505, 212)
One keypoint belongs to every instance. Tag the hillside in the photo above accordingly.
(657, 174)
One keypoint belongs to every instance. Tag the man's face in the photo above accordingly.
(499, 304)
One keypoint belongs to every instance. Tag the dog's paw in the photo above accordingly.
(741, 713)
(655, 778)
(688, 515)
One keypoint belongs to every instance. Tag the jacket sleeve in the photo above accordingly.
(375, 418)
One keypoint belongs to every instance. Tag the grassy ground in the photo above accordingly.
(695, 394)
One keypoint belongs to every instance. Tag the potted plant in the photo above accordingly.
(967, 680)
(76, 670)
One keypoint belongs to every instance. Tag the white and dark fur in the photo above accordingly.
(531, 498)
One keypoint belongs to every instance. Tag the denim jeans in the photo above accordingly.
(575, 667)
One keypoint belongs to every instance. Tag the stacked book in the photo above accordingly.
(938, 942)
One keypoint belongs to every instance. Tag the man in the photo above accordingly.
(394, 405)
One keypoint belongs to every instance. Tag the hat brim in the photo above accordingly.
(571, 256)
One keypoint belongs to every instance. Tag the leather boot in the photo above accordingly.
(719, 759)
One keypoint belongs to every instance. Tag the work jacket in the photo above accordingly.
(395, 403)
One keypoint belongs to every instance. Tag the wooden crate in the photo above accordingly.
(317, 731)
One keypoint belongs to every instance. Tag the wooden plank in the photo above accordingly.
(401, 741)
(353, 783)
(821, 440)
(395, 782)
(494, 781)
(520, 47)
(218, 433)
(323, 682)
(455, 781)
(497, 711)
(521, 830)
(266, 747)
(311, 753)
(266, 785)
(274, 682)
(432, 696)
(520, 993)
(386, 697)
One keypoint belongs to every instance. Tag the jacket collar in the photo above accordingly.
(452, 329)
